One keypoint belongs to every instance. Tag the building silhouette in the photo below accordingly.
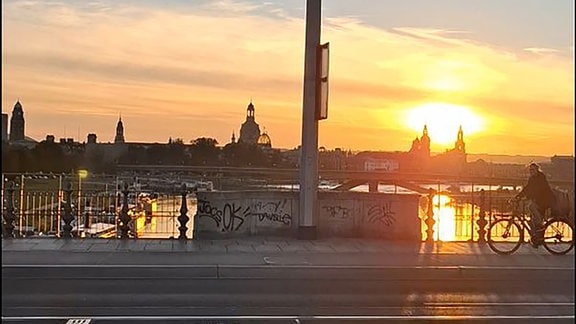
(250, 131)
(119, 131)
(17, 135)
(264, 140)
(91, 139)
(17, 123)
(460, 145)
(421, 146)
(453, 159)
(254, 148)
(417, 159)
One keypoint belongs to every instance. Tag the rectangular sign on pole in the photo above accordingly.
(322, 81)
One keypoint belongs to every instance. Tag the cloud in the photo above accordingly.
(541, 50)
(141, 72)
(204, 60)
(230, 7)
(432, 35)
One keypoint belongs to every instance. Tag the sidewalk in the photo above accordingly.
(273, 251)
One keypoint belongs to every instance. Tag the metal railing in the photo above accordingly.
(43, 205)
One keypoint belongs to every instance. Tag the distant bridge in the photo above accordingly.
(347, 178)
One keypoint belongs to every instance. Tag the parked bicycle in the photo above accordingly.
(508, 231)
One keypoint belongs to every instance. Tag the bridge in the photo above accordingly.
(347, 178)
(38, 201)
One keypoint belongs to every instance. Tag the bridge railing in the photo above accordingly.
(43, 205)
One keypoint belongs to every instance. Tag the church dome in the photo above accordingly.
(264, 140)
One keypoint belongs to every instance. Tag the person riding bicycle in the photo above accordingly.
(540, 197)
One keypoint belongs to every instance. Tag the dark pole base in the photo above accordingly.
(307, 233)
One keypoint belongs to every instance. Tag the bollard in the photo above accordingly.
(482, 219)
(68, 216)
(430, 218)
(183, 218)
(9, 216)
(125, 219)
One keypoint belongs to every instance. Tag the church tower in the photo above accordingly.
(460, 146)
(250, 111)
(17, 123)
(415, 145)
(119, 132)
(425, 143)
(250, 131)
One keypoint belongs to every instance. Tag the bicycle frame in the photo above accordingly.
(521, 218)
(507, 232)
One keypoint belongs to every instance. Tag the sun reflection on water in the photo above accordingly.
(445, 217)
(453, 221)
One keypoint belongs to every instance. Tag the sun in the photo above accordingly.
(443, 121)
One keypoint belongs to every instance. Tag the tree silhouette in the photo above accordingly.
(203, 151)
(49, 157)
(244, 155)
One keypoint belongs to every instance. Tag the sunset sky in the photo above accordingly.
(503, 69)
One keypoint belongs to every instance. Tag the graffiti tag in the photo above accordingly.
(337, 211)
(272, 211)
(230, 218)
(382, 215)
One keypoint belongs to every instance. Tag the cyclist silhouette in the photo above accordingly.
(540, 197)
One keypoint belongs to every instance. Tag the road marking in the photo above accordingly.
(79, 321)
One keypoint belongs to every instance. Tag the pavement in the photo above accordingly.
(456, 269)
(262, 252)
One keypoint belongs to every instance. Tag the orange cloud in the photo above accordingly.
(193, 71)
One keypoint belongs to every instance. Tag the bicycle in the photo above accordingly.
(507, 232)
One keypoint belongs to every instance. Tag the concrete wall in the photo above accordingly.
(341, 214)
(378, 215)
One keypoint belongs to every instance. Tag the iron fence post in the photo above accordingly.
(125, 219)
(183, 218)
(68, 216)
(9, 216)
(430, 218)
(482, 218)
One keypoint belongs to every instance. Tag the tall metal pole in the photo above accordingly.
(309, 151)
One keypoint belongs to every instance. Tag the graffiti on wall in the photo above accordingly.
(232, 216)
(272, 211)
(381, 214)
(228, 219)
(338, 212)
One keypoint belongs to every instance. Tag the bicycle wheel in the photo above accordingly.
(558, 236)
(505, 236)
